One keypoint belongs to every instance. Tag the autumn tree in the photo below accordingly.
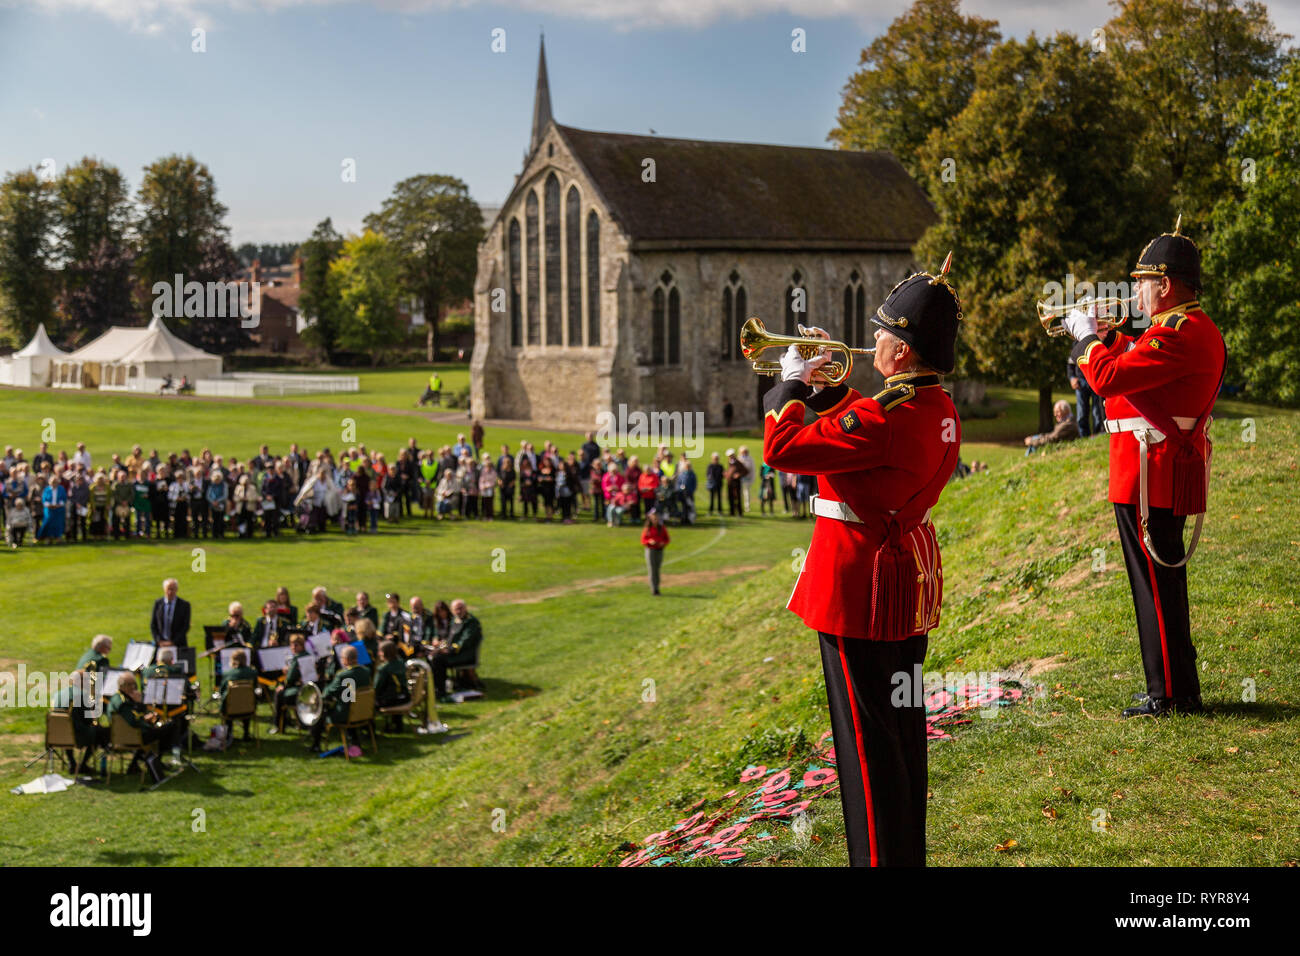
(913, 79)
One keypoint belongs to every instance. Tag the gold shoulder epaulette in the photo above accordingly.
(894, 396)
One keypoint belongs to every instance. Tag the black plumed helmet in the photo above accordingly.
(924, 311)
(1171, 254)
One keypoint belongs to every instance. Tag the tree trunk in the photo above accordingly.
(428, 342)
(431, 321)
(1045, 417)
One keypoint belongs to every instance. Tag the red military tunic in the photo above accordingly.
(1177, 365)
(873, 454)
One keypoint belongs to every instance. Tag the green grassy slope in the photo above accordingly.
(572, 755)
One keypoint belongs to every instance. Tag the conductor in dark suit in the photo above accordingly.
(171, 616)
(270, 627)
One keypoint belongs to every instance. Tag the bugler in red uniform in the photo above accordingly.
(875, 455)
(1159, 391)
(871, 584)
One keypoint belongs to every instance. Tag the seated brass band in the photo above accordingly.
(755, 339)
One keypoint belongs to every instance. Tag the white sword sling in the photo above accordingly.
(1148, 435)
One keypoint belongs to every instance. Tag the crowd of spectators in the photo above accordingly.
(62, 497)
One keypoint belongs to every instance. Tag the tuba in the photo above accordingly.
(310, 706)
(754, 339)
(1109, 312)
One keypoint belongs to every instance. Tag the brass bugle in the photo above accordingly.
(754, 339)
(1110, 312)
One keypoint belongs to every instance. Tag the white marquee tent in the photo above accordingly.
(134, 359)
(30, 365)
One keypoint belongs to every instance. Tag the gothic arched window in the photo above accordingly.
(516, 318)
(734, 307)
(573, 263)
(796, 304)
(855, 312)
(593, 278)
(666, 322)
(533, 279)
(551, 228)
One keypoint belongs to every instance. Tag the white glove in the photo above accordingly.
(1080, 324)
(795, 366)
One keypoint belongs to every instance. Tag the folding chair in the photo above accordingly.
(124, 739)
(361, 713)
(241, 704)
(59, 736)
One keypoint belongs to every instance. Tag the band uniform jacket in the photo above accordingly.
(873, 454)
(1176, 364)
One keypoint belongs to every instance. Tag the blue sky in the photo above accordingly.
(287, 89)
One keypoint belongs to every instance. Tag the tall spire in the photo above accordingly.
(541, 100)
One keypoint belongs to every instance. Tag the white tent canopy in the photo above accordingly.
(31, 364)
(134, 359)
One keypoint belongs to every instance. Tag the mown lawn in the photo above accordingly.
(570, 756)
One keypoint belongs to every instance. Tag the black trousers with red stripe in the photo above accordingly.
(1160, 600)
(879, 746)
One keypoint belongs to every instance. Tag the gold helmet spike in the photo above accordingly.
(943, 271)
(1178, 224)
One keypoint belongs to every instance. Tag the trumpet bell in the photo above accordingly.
(1109, 312)
(755, 339)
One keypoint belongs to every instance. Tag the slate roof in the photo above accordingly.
(718, 193)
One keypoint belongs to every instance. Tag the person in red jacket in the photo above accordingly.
(654, 536)
(871, 583)
(1159, 390)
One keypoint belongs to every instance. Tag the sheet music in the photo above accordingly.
(319, 644)
(228, 652)
(307, 667)
(138, 654)
(108, 681)
(165, 690)
(274, 658)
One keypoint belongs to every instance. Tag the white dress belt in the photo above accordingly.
(1155, 435)
(840, 511)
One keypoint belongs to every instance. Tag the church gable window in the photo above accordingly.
(593, 278)
(551, 228)
(534, 273)
(573, 263)
(516, 316)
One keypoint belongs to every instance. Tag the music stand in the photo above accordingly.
(214, 639)
(168, 692)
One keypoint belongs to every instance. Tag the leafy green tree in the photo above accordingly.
(1252, 268)
(913, 79)
(317, 300)
(94, 214)
(27, 218)
(1046, 185)
(1185, 64)
(94, 206)
(365, 278)
(435, 227)
(179, 217)
(97, 291)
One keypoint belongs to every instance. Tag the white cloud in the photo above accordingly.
(1017, 17)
